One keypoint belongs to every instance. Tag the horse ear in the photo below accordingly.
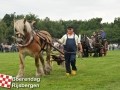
(14, 21)
(33, 22)
(24, 20)
(29, 21)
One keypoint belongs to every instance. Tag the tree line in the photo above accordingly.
(58, 28)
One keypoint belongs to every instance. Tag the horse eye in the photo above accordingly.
(15, 30)
(24, 30)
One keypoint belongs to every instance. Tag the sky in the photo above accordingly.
(63, 9)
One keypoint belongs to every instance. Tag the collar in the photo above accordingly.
(71, 34)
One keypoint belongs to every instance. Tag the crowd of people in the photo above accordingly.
(4, 47)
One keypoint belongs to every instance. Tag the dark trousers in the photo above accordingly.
(70, 60)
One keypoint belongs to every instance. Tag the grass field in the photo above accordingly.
(93, 73)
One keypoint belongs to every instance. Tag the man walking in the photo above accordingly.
(70, 41)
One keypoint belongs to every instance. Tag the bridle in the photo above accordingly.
(29, 41)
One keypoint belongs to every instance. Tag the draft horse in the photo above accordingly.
(31, 43)
(97, 46)
(85, 45)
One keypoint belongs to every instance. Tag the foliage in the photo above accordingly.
(58, 28)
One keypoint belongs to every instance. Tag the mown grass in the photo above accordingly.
(93, 73)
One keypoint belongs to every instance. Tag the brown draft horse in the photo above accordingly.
(31, 44)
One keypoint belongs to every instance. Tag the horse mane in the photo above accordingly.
(21, 24)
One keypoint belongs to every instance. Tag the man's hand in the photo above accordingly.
(81, 51)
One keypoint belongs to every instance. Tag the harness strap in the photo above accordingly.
(40, 35)
(30, 40)
(42, 46)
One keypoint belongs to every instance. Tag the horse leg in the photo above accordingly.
(105, 52)
(42, 62)
(87, 53)
(39, 70)
(105, 48)
(79, 54)
(48, 67)
(96, 52)
(100, 52)
(21, 66)
(83, 55)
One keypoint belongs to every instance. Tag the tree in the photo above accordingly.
(58, 28)
(3, 31)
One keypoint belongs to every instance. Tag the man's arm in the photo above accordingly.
(62, 40)
(80, 47)
(79, 44)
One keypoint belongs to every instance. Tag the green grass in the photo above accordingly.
(93, 73)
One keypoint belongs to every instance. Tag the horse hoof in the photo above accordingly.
(19, 76)
(40, 73)
(47, 72)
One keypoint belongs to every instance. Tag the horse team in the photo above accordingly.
(96, 45)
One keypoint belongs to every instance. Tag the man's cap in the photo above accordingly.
(69, 27)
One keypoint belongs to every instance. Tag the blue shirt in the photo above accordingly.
(103, 35)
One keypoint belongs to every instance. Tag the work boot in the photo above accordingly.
(73, 72)
(67, 74)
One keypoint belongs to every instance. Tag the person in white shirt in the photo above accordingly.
(70, 41)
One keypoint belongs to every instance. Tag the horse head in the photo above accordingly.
(23, 31)
(98, 38)
(84, 40)
(98, 41)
